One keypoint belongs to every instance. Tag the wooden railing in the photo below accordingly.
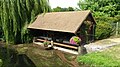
(65, 45)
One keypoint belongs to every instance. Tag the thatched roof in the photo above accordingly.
(60, 21)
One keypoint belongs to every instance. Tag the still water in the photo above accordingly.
(35, 56)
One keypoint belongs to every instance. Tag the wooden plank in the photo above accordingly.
(65, 45)
(40, 40)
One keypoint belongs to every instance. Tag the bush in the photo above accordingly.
(103, 30)
(105, 26)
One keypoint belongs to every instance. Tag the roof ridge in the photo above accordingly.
(68, 12)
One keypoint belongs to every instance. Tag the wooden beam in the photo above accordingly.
(40, 40)
(65, 45)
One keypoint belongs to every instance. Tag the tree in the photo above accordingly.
(16, 15)
(70, 9)
(109, 8)
(106, 13)
(59, 9)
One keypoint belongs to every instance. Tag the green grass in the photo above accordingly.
(106, 58)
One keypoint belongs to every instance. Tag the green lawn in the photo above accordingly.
(107, 58)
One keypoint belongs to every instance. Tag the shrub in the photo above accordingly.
(103, 30)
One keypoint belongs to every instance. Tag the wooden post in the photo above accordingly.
(79, 50)
(93, 30)
(34, 39)
(52, 43)
(116, 28)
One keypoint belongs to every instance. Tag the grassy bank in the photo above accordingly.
(107, 58)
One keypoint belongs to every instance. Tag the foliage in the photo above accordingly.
(103, 28)
(70, 9)
(106, 26)
(15, 15)
(46, 43)
(75, 40)
(107, 58)
(104, 7)
(59, 9)
(0, 62)
(106, 13)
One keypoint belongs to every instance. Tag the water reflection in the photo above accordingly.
(11, 58)
(35, 56)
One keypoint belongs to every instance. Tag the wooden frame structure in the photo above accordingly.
(61, 26)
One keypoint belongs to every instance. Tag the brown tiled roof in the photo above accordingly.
(60, 21)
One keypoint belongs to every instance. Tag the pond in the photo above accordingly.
(29, 55)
